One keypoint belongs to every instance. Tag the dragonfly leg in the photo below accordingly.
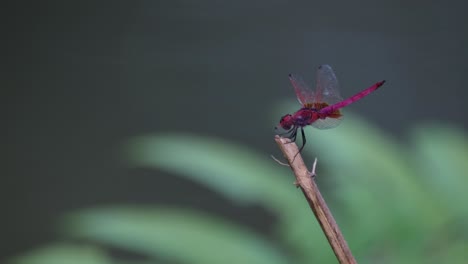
(303, 139)
(303, 143)
(290, 132)
(293, 135)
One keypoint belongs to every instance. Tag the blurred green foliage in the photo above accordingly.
(395, 203)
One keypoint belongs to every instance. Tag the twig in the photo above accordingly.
(304, 180)
(279, 162)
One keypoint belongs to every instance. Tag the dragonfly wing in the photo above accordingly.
(327, 86)
(304, 94)
(326, 123)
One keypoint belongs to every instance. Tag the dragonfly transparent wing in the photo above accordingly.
(327, 90)
(326, 123)
(304, 94)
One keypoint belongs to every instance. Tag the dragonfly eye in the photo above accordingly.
(286, 122)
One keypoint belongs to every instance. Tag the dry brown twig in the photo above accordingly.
(304, 180)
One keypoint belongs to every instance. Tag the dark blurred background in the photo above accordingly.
(80, 78)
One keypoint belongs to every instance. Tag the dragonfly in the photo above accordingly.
(320, 108)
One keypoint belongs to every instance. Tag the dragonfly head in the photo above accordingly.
(286, 122)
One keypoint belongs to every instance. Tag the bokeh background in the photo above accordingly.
(82, 81)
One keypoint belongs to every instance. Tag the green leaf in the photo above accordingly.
(63, 254)
(239, 174)
(174, 234)
(234, 171)
(443, 161)
(375, 185)
(455, 252)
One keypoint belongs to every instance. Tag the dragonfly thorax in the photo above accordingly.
(305, 116)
